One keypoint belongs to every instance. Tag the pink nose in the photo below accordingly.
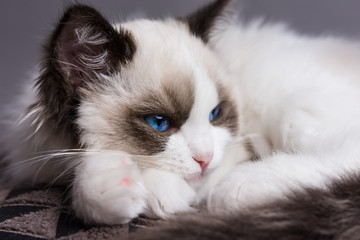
(203, 160)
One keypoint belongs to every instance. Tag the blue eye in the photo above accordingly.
(158, 122)
(214, 113)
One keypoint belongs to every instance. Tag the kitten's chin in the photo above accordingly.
(196, 179)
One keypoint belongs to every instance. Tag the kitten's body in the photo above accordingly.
(300, 97)
(296, 98)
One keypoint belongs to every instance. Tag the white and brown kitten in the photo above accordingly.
(134, 115)
(154, 117)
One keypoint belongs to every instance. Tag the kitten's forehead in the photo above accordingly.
(168, 55)
(166, 46)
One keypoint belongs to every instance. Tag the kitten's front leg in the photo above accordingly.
(168, 193)
(108, 188)
(254, 184)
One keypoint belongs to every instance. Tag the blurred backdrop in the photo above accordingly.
(25, 23)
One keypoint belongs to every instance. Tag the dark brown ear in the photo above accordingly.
(83, 46)
(202, 21)
(84, 42)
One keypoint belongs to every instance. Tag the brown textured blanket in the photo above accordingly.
(42, 213)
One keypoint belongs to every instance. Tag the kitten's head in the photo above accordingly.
(151, 88)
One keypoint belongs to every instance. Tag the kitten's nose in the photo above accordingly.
(203, 160)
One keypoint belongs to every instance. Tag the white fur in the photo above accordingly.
(168, 193)
(85, 36)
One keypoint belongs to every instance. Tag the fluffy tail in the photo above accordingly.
(310, 214)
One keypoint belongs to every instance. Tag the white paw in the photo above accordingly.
(168, 194)
(246, 187)
(108, 189)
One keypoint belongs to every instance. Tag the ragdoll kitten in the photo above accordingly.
(155, 117)
(133, 115)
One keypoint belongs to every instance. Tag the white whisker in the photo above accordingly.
(46, 156)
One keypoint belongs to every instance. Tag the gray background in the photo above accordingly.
(25, 23)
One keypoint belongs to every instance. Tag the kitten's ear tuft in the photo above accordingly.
(85, 43)
(203, 21)
(83, 46)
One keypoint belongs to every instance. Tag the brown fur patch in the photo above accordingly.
(228, 111)
(174, 100)
(251, 150)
